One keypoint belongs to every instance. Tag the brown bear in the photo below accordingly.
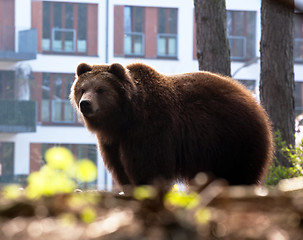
(153, 126)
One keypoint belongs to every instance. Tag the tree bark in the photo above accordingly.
(212, 43)
(277, 64)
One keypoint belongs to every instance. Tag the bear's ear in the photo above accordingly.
(83, 68)
(118, 70)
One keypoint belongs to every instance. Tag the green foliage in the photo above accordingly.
(181, 199)
(11, 191)
(48, 181)
(88, 215)
(145, 192)
(60, 175)
(85, 171)
(189, 203)
(294, 154)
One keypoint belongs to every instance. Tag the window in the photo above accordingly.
(64, 27)
(55, 104)
(7, 82)
(133, 30)
(298, 41)
(298, 98)
(167, 32)
(241, 31)
(6, 158)
(147, 32)
(249, 84)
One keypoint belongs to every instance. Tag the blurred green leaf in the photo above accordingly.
(86, 171)
(12, 191)
(59, 158)
(145, 192)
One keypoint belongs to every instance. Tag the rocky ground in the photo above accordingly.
(213, 211)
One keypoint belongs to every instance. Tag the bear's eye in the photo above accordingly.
(82, 90)
(99, 90)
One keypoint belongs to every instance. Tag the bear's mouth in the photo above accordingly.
(87, 115)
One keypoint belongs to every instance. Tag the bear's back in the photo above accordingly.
(222, 117)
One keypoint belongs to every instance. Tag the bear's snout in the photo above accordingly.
(86, 107)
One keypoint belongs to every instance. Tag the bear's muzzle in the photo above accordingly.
(86, 108)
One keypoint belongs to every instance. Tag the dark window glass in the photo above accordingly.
(161, 20)
(69, 15)
(45, 102)
(298, 98)
(45, 86)
(298, 41)
(57, 86)
(57, 15)
(173, 18)
(7, 83)
(241, 30)
(137, 19)
(46, 20)
(6, 158)
(82, 21)
(82, 26)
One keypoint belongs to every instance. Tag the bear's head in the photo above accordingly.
(102, 93)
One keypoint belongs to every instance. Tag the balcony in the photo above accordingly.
(17, 45)
(17, 116)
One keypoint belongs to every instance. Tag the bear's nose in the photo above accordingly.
(86, 107)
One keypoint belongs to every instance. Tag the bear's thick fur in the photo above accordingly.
(151, 125)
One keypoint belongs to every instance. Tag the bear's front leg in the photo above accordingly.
(111, 158)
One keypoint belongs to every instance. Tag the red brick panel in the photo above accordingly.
(92, 29)
(151, 25)
(118, 31)
(35, 157)
(7, 24)
(37, 21)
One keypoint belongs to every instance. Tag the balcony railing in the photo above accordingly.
(17, 45)
(17, 116)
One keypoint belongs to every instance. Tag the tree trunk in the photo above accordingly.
(277, 63)
(212, 43)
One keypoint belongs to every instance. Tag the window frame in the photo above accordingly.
(133, 33)
(53, 29)
(50, 101)
(298, 36)
(245, 36)
(167, 34)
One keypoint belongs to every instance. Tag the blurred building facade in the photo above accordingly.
(42, 42)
